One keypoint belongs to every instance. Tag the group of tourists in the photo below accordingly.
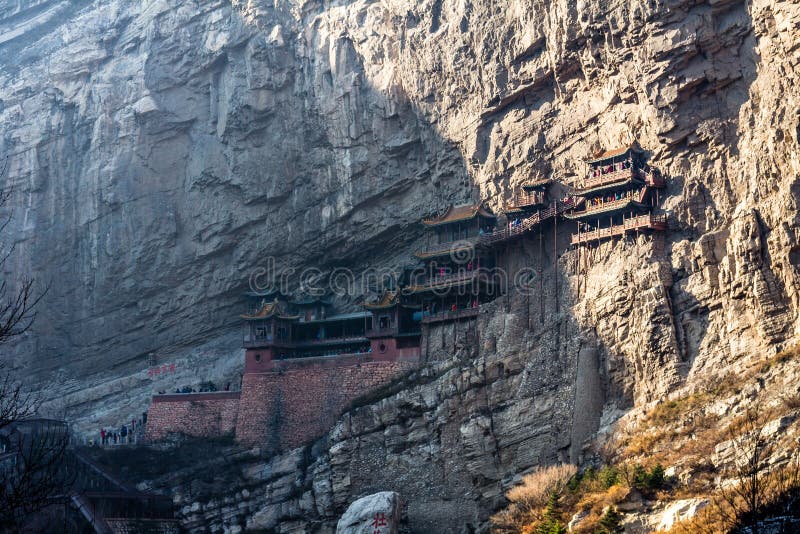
(613, 167)
(125, 434)
(611, 197)
(204, 387)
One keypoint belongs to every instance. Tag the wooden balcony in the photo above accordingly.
(259, 342)
(525, 200)
(440, 283)
(450, 247)
(635, 198)
(610, 178)
(329, 341)
(391, 331)
(623, 175)
(640, 223)
(442, 317)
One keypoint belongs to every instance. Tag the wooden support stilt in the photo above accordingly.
(455, 331)
(578, 267)
(555, 259)
(541, 277)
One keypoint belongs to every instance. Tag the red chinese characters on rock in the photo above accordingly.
(378, 522)
(161, 370)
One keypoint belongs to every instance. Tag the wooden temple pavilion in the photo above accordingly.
(454, 279)
(619, 196)
(394, 331)
(458, 229)
(532, 197)
(282, 330)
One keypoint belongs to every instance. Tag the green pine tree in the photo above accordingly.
(551, 523)
(610, 523)
(655, 478)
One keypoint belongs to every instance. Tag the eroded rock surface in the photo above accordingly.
(160, 151)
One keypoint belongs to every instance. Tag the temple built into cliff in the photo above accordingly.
(619, 196)
(306, 362)
(452, 281)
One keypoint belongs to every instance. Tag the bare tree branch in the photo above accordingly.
(34, 471)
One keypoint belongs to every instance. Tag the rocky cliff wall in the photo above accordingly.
(161, 150)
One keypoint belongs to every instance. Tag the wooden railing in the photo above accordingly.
(441, 248)
(437, 280)
(636, 195)
(524, 199)
(610, 178)
(329, 340)
(651, 178)
(389, 331)
(649, 221)
(253, 342)
(450, 315)
(555, 208)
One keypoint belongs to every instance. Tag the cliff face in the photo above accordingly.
(160, 151)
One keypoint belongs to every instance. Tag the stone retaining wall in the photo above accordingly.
(290, 408)
(193, 414)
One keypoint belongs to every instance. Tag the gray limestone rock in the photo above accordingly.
(379, 512)
(160, 152)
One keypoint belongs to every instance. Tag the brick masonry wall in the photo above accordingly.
(293, 407)
(200, 414)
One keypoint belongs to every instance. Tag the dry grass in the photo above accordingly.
(537, 487)
(725, 511)
(791, 401)
(529, 499)
(681, 432)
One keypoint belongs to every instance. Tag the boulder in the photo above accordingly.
(576, 520)
(379, 512)
(680, 511)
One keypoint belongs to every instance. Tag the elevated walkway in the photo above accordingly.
(555, 209)
(652, 222)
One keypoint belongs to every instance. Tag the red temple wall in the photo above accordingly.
(193, 414)
(299, 404)
(388, 349)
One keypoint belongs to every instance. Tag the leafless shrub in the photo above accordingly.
(530, 498)
(33, 470)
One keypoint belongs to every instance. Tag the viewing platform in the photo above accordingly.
(612, 177)
(616, 179)
(250, 341)
(655, 222)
